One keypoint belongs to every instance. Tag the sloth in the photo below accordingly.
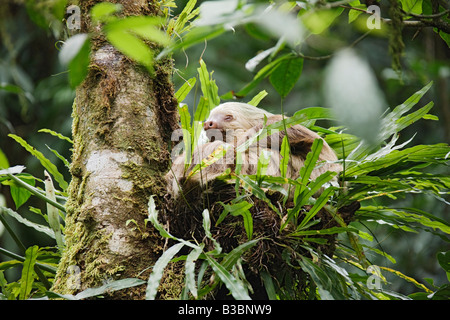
(231, 124)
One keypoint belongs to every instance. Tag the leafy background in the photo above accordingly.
(35, 93)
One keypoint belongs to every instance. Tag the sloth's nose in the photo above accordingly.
(210, 125)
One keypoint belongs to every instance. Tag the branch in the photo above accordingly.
(423, 21)
(431, 16)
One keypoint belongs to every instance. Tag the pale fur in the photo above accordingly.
(246, 122)
(245, 115)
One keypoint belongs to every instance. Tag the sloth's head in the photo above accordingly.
(232, 118)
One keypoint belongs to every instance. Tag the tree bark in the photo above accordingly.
(122, 120)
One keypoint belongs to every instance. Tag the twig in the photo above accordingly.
(439, 23)
(354, 43)
(431, 16)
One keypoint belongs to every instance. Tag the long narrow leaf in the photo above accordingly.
(28, 223)
(52, 212)
(109, 287)
(257, 99)
(185, 89)
(38, 193)
(320, 202)
(27, 279)
(153, 218)
(207, 229)
(268, 284)
(51, 168)
(254, 189)
(406, 106)
(310, 162)
(208, 86)
(190, 270)
(185, 119)
(285, 152)
(158, 270)
(209, 160)
(56, 134)
(236, 288)
(234, 255)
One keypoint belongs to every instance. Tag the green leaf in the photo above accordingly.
(195, 36)
(4, 163)
(423, 220)
(249, 185)
(56, 134)
(320, 202)
(318, 21)
(51, 168)
(153, 218)
(234, 255)
(106, 288)
(235, 286)
(284, 77)
(141, 26)
(158, 269)
(388, 123)
(27, 278)
(413, 117)
(60, 157)
(406, 158)
(354, 14)
(202, 110)
(333, 230)
(262, 165)
(310, 163)
(9, 264)
(207, 229)
(412, 6)
(208, 85)
(319, 276)
(185, 15)
(445, 36)
(185, 119)
(262, 74)
(444, 260)
(78, 67)
(28, 223)
(19, 194)
(101, 12)
(185, 89)
(268, 284)
(109, 287)
(52, 212)
(75, 54)
(285, 152)
(212, 158)
(37, 192)
(257, 99)
(132, 47)
(239, 209)
(190, 269)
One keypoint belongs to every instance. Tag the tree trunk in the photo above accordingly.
(122, 120)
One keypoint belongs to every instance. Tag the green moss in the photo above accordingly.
(172, 282)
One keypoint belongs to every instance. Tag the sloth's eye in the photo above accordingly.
(228, 117)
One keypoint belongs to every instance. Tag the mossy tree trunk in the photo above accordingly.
(122, 121)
